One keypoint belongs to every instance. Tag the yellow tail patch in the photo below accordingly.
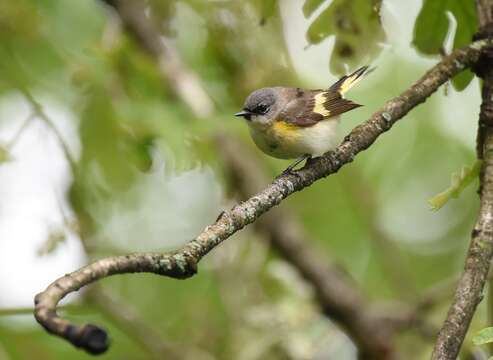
(348, 81)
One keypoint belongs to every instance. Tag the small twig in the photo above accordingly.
(39, 112)
(11, 143)
(183, 262)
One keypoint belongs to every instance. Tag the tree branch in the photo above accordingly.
(183, 262)
(469, 291)
(335, 291)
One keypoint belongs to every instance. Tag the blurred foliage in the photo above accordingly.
(55, 238)
(484, 336)
(459, 182)
(4, 154)
(356, 27)
(432, 26)
(245, 304)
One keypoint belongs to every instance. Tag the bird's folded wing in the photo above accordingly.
(315, 106)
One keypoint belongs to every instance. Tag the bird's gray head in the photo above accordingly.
(261, 106)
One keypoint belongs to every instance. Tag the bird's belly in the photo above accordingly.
(286, 141)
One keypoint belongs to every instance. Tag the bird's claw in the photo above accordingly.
(288, 171)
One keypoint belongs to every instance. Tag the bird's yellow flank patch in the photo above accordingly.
(285, 130)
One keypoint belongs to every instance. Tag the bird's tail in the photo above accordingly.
(348, 81)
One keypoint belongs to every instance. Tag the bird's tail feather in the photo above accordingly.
(348, 81)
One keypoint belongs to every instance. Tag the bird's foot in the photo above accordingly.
(290, 170)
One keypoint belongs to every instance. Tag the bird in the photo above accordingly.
(296, 123)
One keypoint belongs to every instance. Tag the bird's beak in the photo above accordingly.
(243, 113)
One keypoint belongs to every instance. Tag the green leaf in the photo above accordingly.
(310, 6)
(356, 26)
(458, 183)
(461, 80)
(432, 24)
(4, 155)
(265, 8)
(484, 336)
(465, 14)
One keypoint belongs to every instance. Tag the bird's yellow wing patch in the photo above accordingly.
(320, 105)
(330, 103)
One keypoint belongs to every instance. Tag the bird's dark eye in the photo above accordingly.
(261, 109)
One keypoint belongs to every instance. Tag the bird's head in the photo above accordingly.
(261, 106)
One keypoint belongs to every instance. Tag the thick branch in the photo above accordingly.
(183, 262)
(469, 290)
(470, 287)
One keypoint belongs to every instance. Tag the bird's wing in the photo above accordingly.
(308, 107)
(311, 106)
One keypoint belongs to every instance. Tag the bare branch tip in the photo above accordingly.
(89, 337)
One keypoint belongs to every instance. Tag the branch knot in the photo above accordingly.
(180, 265)
(481, 68)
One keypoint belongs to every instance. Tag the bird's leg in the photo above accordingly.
(290, 168)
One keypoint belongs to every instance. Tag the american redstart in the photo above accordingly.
(289, 123)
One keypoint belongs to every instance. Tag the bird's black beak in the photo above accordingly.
(244, 113)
